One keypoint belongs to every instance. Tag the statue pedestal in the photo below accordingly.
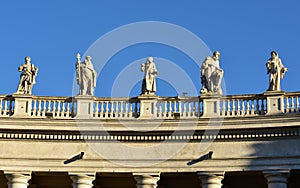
(274, 102)
(211, 106)
(147, 106)
(22, 107)
(84, 107)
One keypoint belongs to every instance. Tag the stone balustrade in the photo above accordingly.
(243, 105)
(111, 108)
(161, 107)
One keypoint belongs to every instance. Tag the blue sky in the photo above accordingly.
(52, 32)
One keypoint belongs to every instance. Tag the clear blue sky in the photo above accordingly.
(53, 31)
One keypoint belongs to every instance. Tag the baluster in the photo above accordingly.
(193, 107)
(243, 107)
(252, 106)
(297, 104)
(169, 108)
(124, 108)
(44, 108)
(160, 109)
(54, 108)
(165, 109)
(68, 109)
(130, 110)
(184, 108)
(262, 106)
(101, 103)
(180, 108)
(58, 108)
(49, 107)
(228, 107)
(63, 111)
(223, 108)
(292, 104)
(238, 107)
(117, 108)
(288, 109)
(39, 113)
(1, 110)
(5, 108)
(106, 109)
(247, 107)
(96, 112)
(257, 106)
(34, 108)
(175, 106)
(233, 107)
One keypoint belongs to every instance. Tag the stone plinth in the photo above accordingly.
(84, 106)
(22, 107)
(274, 102)
(211, 106)
(147, 106)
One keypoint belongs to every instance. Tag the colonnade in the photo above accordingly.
(275, 179)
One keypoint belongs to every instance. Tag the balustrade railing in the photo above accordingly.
(57, 107)
(291, 102)
(113, 108)
(6, 106)
(243, 105)
(163, 107)
(173, 107)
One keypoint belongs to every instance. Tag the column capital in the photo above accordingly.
(276, 176)
(82, 180)
(211, 179)
(17, 180)
(277, 179)
(146, 180)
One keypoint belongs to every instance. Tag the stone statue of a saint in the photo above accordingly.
(276, 71)
(86, 76)
(211, 75)
(27, 77)
(149, 81)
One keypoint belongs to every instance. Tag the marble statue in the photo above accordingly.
(27, 77)
(86, 76)
(211, 75)
(149, 81)
(276, 71)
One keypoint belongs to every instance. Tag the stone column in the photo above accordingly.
(276, 179)
(145, 180)
(17, 180)
(211, 180)
(84, 108)
(83, 180)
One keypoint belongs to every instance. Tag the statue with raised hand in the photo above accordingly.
(27, 77)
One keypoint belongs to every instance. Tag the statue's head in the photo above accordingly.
(216, 55)
(150, 59)
(27, 59)
(274, 54)
(88, 58)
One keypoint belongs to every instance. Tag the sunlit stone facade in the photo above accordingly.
(229, 141)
